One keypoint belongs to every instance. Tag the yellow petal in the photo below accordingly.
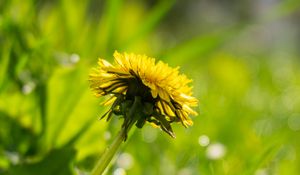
(154, 93)
(104, 63)
(163, 94)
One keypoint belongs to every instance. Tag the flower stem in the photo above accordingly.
(109, 153)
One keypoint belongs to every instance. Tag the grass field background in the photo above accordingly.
(243, 57)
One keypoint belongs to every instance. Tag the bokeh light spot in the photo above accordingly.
(119, 171)
(203, 140)
(215, 151)
(125, 161)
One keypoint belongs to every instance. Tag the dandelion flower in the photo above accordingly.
(141, 90)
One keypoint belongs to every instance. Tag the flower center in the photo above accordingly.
(137, 88)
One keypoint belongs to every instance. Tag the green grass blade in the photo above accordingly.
(64, 95)
(80, 133)
(42, 101)
(66, 113)
(199, 46)
(266, 156)
(113, 7)
(150, 22)
(4, 62)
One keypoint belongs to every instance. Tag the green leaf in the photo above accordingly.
(16, 138)
(57, 161)
(80, 133)
(64, 94)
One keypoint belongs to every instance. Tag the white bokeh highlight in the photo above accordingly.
(215, 151)
(125, 161)
(203, 140)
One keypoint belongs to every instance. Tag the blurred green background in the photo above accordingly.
(242, 55)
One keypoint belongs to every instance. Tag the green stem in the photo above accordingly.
(109, 153)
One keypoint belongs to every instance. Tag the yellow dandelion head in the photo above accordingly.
(144, 91)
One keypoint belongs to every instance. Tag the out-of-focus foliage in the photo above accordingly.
(242, 55)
